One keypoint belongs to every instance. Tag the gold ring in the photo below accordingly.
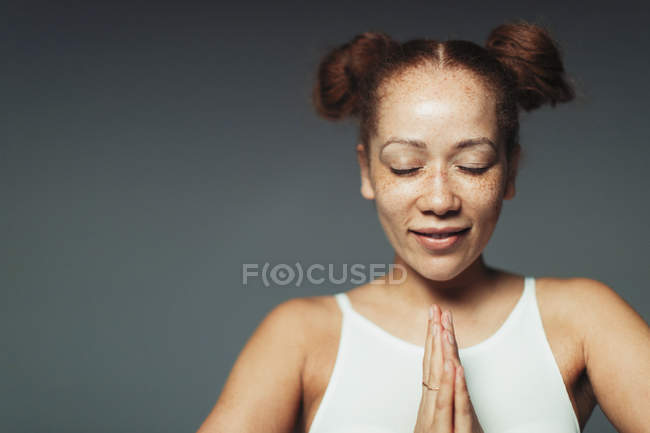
(435, 388)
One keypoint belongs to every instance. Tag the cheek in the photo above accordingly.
(485, 195)
(392, 195)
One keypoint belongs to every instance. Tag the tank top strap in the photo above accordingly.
(344, 302)
(529, 290)
(526, 309)
(529, 287)
(527, 298)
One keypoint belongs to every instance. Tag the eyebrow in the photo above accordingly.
(469, 142)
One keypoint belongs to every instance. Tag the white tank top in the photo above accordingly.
(512, 377)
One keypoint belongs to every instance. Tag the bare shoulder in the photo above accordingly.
(585, 295)
(616, 347)
(303, 318)
(586, 304)
(574, 293)
(273, 358)
(321, 318)
(309, 321)
(576, 297)
(560, 300)
(310, 310)
(601, 305)
(296, 311)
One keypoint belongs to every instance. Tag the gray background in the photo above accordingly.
(150, 149)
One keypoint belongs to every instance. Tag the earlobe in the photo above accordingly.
(367, 190)
(510, 190)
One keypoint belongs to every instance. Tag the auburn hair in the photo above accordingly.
(520, 63)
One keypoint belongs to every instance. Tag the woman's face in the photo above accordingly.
(435, 163)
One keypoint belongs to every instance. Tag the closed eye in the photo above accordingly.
(471, 170)
(474, 170)
(402, 172)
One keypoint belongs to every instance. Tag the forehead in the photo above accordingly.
(428, 102)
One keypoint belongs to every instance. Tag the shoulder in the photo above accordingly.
(600, 306)
(583, 295)
(313, 323)
(559, 303)
(287, 329)
(273, 358)
(590, 307)
(301, 320)
(561, 298)
(303, 310)
(572, 294)
(616, 347)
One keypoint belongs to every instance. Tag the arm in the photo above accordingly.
(617, 355)
(263, 391)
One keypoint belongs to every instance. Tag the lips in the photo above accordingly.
(439, 233)
(440, 242)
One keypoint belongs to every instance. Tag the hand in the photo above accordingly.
(449, 409)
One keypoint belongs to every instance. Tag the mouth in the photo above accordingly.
(440, 235)
(440, 242)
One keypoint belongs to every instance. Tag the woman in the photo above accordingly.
(450, 344)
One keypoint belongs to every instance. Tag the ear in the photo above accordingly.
(512, 174)
(367, 191)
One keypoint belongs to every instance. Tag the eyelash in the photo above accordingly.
(404, 172)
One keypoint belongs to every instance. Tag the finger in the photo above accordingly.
(428, 400)
(462, 406)
(450, 349)
(444, 416)
(428, 341)
(436, 313)
(436, 356)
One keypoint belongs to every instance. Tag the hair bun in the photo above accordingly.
(342, 72)
(534, 59)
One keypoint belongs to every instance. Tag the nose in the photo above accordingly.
(437, 194)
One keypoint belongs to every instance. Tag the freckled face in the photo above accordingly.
(420, 177)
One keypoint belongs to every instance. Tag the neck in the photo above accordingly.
(463, 291)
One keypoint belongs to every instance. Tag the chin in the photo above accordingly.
(439, 269)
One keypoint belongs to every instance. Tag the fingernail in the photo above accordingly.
(431, 312)
(447, 365)
(435, 329)
(445, 318)
(450, 337)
